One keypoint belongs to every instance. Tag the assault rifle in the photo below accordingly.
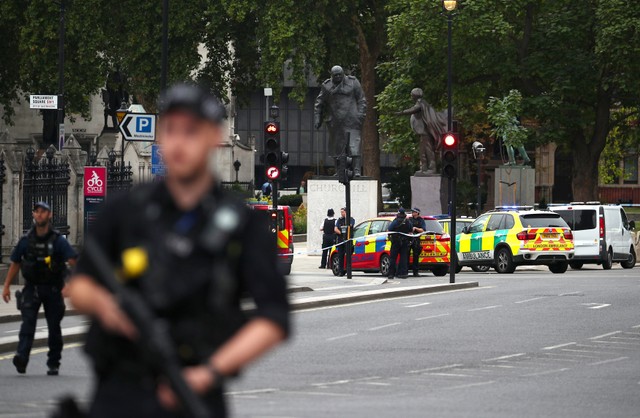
(153, 333)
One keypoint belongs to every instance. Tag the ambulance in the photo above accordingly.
(508, 237)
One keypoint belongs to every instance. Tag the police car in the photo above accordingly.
(372, 246)
(508, 237)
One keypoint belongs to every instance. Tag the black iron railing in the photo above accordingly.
(47, 180)
(119, 178)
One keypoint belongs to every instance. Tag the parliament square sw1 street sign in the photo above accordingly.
(138, 127)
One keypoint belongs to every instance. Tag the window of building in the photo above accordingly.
(630, 167)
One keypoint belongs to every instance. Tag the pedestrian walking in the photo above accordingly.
(188, 251)
(418, 227)
(399, 246)
(42, 255)
(328, 236)
(341, 231)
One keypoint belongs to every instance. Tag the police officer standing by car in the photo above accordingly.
(42, 255)
(328, 236)
(341, 231)
(400, 245)
(189, 251)
(418, 227)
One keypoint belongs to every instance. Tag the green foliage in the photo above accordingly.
(623, 140)
(290, 200)
(300, 220)
(572, 61)
(503, 114)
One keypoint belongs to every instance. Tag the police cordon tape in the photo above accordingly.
(362, 237)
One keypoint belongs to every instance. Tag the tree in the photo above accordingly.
(574, 63)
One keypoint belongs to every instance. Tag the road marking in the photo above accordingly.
(530, 300)
(449, 374)
(546, 372)
(334, 383)
(342, 336)
(450, 366)
(384, 326)
(12, 331)
(579, 292)
(486, 307)
(42, 350)
(605, 335)
(470, 385)
(615, 347)
(586, 351)
(432, 316)
(295, 392)
(617, 342)
(418, 304)
(636, 326)
(375, 383)
(506, 357)
(252, 392)
(626, 338)
(608, 361)
(596, 305)
(552, 347)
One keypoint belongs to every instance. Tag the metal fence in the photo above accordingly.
(47, 180)
(119, 176)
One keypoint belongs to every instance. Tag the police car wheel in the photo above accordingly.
(608, 262)
(504, 261)
(385, 263)
(335, 268)
(576, 265)
(558, 268)
(480, 269)
(440, 271)
(631, 261)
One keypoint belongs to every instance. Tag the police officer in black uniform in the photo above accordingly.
(42, 254)
(399, 246)
(205, 251)
(418, 227)
(341, 231)
(328, 236)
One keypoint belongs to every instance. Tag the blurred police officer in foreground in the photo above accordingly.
(42, 254)
(341, 232)
(196, 289)
(399, 246)
(418, 227)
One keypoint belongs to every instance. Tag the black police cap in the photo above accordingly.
(194, 99)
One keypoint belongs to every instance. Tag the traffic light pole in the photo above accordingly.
(452, 180)
(347, 250)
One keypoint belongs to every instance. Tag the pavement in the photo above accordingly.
(531, 344)
(309, 287)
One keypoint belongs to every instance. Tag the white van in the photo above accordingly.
(602, 234)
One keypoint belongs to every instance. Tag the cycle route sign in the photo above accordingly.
(95, 191)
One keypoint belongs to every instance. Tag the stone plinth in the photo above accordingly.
(325, 193)
(428, 193)
(514, 186)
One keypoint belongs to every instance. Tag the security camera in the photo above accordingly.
(478, 148)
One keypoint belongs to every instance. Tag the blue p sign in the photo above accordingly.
(143, 124)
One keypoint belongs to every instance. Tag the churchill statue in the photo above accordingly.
(341, 105)
(430, 126)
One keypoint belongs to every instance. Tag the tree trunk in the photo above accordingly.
(586, 155)
(370, 137)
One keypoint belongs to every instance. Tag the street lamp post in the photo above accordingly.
(61, 36)
(449, 7)
(236, 166)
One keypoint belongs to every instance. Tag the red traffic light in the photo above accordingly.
(271, 128)
(450, 140)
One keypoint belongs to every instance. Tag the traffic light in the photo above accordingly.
(450, 154)
(345, 169)
(272, 155)
(284, 168)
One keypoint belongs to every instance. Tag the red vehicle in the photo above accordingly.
(281, 224)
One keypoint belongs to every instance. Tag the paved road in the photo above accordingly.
(530, 344)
